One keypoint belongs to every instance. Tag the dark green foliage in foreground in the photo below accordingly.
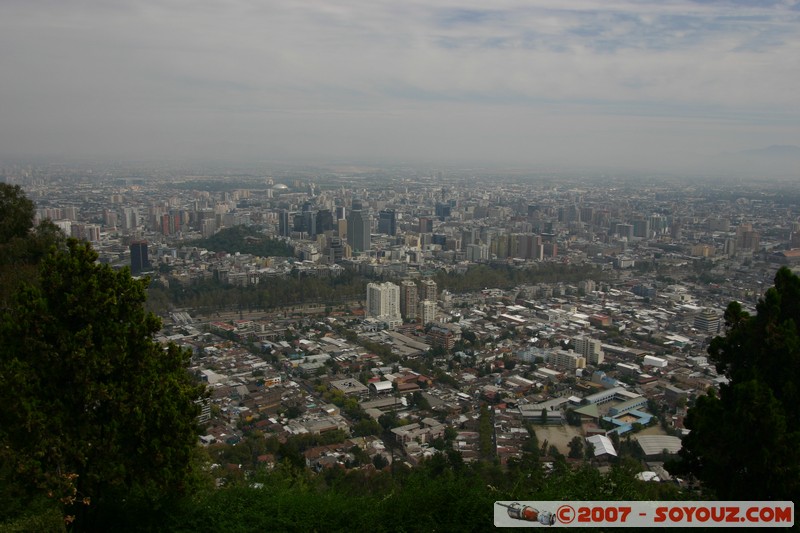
(17, 212)
(745, 442)
(443, 494)
(22, 246)
(422, 504)
(246, 240)
(93, 407)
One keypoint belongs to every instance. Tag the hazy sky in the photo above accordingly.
(538, 81)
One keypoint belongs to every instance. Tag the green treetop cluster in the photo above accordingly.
(744, 442)
(93, 407)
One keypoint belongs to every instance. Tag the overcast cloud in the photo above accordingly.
(541, 81)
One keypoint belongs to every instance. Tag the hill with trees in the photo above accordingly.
(245, 240)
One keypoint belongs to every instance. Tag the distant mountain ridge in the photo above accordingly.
(775, 150)
(774, 160)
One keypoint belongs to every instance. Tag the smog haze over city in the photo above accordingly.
(684, 86)
(371, 265)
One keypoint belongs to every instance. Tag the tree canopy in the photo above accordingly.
(246, 240)
(17, 212)
(745, 442)
(22, 245)
(93, 406)
(505, 276)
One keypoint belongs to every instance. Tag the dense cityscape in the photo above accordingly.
(380, 266)
(611, 343)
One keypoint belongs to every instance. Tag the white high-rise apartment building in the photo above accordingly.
(567, 359)
(427, 311)
(383, 301)
(590, 348)
(477, 252)
(130, 218)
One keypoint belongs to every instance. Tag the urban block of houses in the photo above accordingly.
(424, 431)
(350, 387)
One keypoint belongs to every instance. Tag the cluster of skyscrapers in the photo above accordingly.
(355, 225)
(393, 304)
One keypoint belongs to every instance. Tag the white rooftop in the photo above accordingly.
(656, 444)
(602, 445)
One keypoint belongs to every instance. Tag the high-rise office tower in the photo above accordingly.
(408, 300)
(387, 222)
(658, 224)
(641, 228)
(359, 228)
(425, 225)
(442, 210)
(306, 222)
(324, 220)
(569, 213)
(469, 236)
(625, 231)
(139, 260)
(340, 212)
(587, 215)
(676, 230)
(167, 225)
(284, 223)
(335, 250)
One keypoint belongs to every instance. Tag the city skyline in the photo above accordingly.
(681, 86)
